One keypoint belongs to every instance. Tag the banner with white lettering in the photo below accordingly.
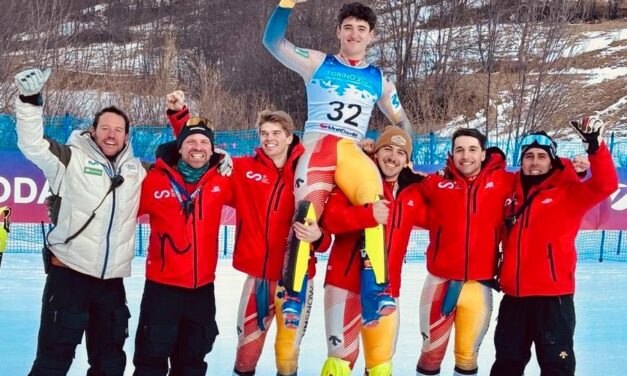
(24, 188)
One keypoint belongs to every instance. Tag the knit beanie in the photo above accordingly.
(195, 125)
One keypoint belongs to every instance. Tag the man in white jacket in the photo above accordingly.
(97, 181)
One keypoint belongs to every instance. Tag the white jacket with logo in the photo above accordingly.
(81, 175)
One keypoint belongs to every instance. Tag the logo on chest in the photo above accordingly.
(93, 168)
(448, 185)
(257, 177)
(129, 170)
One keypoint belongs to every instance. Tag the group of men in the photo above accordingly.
(290, 197)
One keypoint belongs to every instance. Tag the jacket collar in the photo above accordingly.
(563, 173)
(494, 159)
(294, 151)
(82, 140)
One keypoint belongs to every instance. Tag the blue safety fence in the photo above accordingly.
(429, 149)
(591, 245)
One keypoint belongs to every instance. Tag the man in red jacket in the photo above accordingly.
(465, 216)
(262, 194)
(399, 211)
(183, 195)
(539, 256)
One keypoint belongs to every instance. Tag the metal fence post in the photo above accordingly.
(226, 237)
(602, 245)
(141, 240)
(431, 147)
(620, 240)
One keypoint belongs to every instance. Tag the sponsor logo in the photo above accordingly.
(447, 185)
(489, 185)
(23, 190)
(398, 140)
(131, 170)
(215, 189)
(299, 182)
(410, 203)
(335, 129)
(334, 340)
(91, 162)
(164, 194)
(257, 177)
(396, 103)
(301, 52)
(92, 171)
(547, 201)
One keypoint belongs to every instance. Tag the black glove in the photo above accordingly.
(590, 129)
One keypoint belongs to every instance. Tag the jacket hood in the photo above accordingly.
(407, 177)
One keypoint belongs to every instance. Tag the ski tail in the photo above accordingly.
(298, 252)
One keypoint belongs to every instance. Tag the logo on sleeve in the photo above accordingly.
(301, 52)
(396, 103)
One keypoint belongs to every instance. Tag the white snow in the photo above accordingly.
(598, 75)
(601, 301)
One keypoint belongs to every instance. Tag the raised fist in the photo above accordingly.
(31, 81)
(175, 101)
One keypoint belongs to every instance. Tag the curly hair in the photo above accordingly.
(359, 11)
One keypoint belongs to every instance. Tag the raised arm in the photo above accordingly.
(301, 60)
(390, 105)
(50, 156)
(603, 180)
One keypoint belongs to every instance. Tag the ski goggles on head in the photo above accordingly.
(194, 121)
(541, 140)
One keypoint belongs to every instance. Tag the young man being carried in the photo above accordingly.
(342, 91)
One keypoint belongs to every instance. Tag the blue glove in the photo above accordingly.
(31, 81)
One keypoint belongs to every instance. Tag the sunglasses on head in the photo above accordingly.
(194, 121)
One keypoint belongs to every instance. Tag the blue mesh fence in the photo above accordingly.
(429, 149)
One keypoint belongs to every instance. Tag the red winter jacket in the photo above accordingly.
(539, 253)
(182, 251)
(347, 222)
(264, 203)
(263, 198)
(465, 220)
